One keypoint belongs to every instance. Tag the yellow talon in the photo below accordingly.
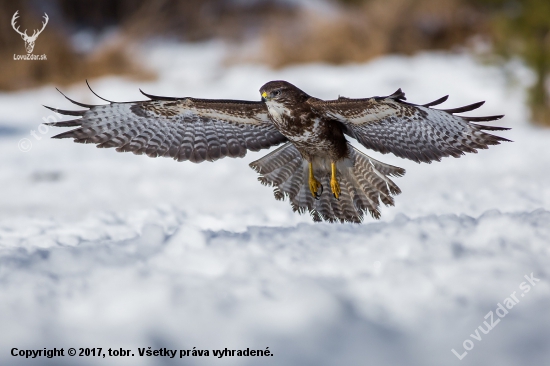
(334, 186)
(314, 184)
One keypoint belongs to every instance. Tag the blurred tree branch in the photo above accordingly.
(522, 27)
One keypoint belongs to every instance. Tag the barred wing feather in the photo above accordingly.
(181, 128)
(416, 132)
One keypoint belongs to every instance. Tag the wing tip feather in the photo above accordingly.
(157, 97)
(436, 102)
(65, 112)
(74, 101)
(466, 108)
(97, 95)
(482, 119)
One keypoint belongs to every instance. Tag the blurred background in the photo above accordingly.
(103, 249)
(92, 38)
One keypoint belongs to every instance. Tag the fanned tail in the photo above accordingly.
(364, 183)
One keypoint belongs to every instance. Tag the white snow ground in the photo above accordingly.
(100, 249)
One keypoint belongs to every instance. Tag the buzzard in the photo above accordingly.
(316, 168)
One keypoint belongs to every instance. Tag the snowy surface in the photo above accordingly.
(101, 249)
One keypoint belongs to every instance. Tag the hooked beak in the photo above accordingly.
(264, 96)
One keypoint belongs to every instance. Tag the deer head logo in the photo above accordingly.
(29, 40)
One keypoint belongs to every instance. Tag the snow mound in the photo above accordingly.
(402, 292)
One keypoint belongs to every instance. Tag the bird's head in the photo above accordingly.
(282, 92)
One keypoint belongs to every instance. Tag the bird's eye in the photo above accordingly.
(276, 93)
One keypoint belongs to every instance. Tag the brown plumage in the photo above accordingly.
(317, 169)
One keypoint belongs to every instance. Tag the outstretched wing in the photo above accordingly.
(416, 132)
(181, 128)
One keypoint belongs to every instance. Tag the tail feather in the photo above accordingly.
(280, 175)
(380, 187)
(293, 184)
(381, 172)
(357, 203)
(370, 195)
(334, 203)
(364, 183)
(304, 200)
(324, 207)
(385, 169)
(393, 188)
(327, 202)
(275, 160)
(346, 200)
(363, 203)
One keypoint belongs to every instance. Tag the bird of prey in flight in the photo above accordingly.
(316, 168)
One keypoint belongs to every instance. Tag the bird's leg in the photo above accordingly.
(314, 184)
(334, 185)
